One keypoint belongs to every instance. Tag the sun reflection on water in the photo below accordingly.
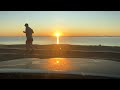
(57, 35)
(57, 39)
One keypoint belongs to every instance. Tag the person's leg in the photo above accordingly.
(27, 45)
(31, 46)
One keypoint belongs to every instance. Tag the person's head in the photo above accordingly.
(26, 25)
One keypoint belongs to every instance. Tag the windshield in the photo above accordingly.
(60, 42)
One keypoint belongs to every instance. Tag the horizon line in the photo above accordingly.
(64, 36)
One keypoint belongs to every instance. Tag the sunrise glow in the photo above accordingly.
(57, 34)
(71, 23)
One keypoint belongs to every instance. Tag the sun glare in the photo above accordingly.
(57, 34)
(57, 62)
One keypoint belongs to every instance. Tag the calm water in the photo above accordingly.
(106, 41)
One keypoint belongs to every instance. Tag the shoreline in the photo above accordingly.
(10, 52)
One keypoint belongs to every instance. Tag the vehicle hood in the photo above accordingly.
(77, 66)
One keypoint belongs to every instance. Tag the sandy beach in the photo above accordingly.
(10, 52)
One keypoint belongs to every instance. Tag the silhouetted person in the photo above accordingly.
(29, 37)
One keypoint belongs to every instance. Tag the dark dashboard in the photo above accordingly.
(49, 76)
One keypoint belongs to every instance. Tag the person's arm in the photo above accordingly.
(24, 31)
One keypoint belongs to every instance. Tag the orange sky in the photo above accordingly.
(63, 33)
(68, 23)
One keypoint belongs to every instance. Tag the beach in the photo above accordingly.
(11, 52)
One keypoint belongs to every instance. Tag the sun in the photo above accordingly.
(57, 34)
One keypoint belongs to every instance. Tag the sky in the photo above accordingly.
(68, 23)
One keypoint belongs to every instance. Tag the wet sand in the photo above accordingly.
(10, 52)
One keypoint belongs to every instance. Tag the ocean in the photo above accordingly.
(46, 40)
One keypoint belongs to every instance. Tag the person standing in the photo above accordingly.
(29, 38)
